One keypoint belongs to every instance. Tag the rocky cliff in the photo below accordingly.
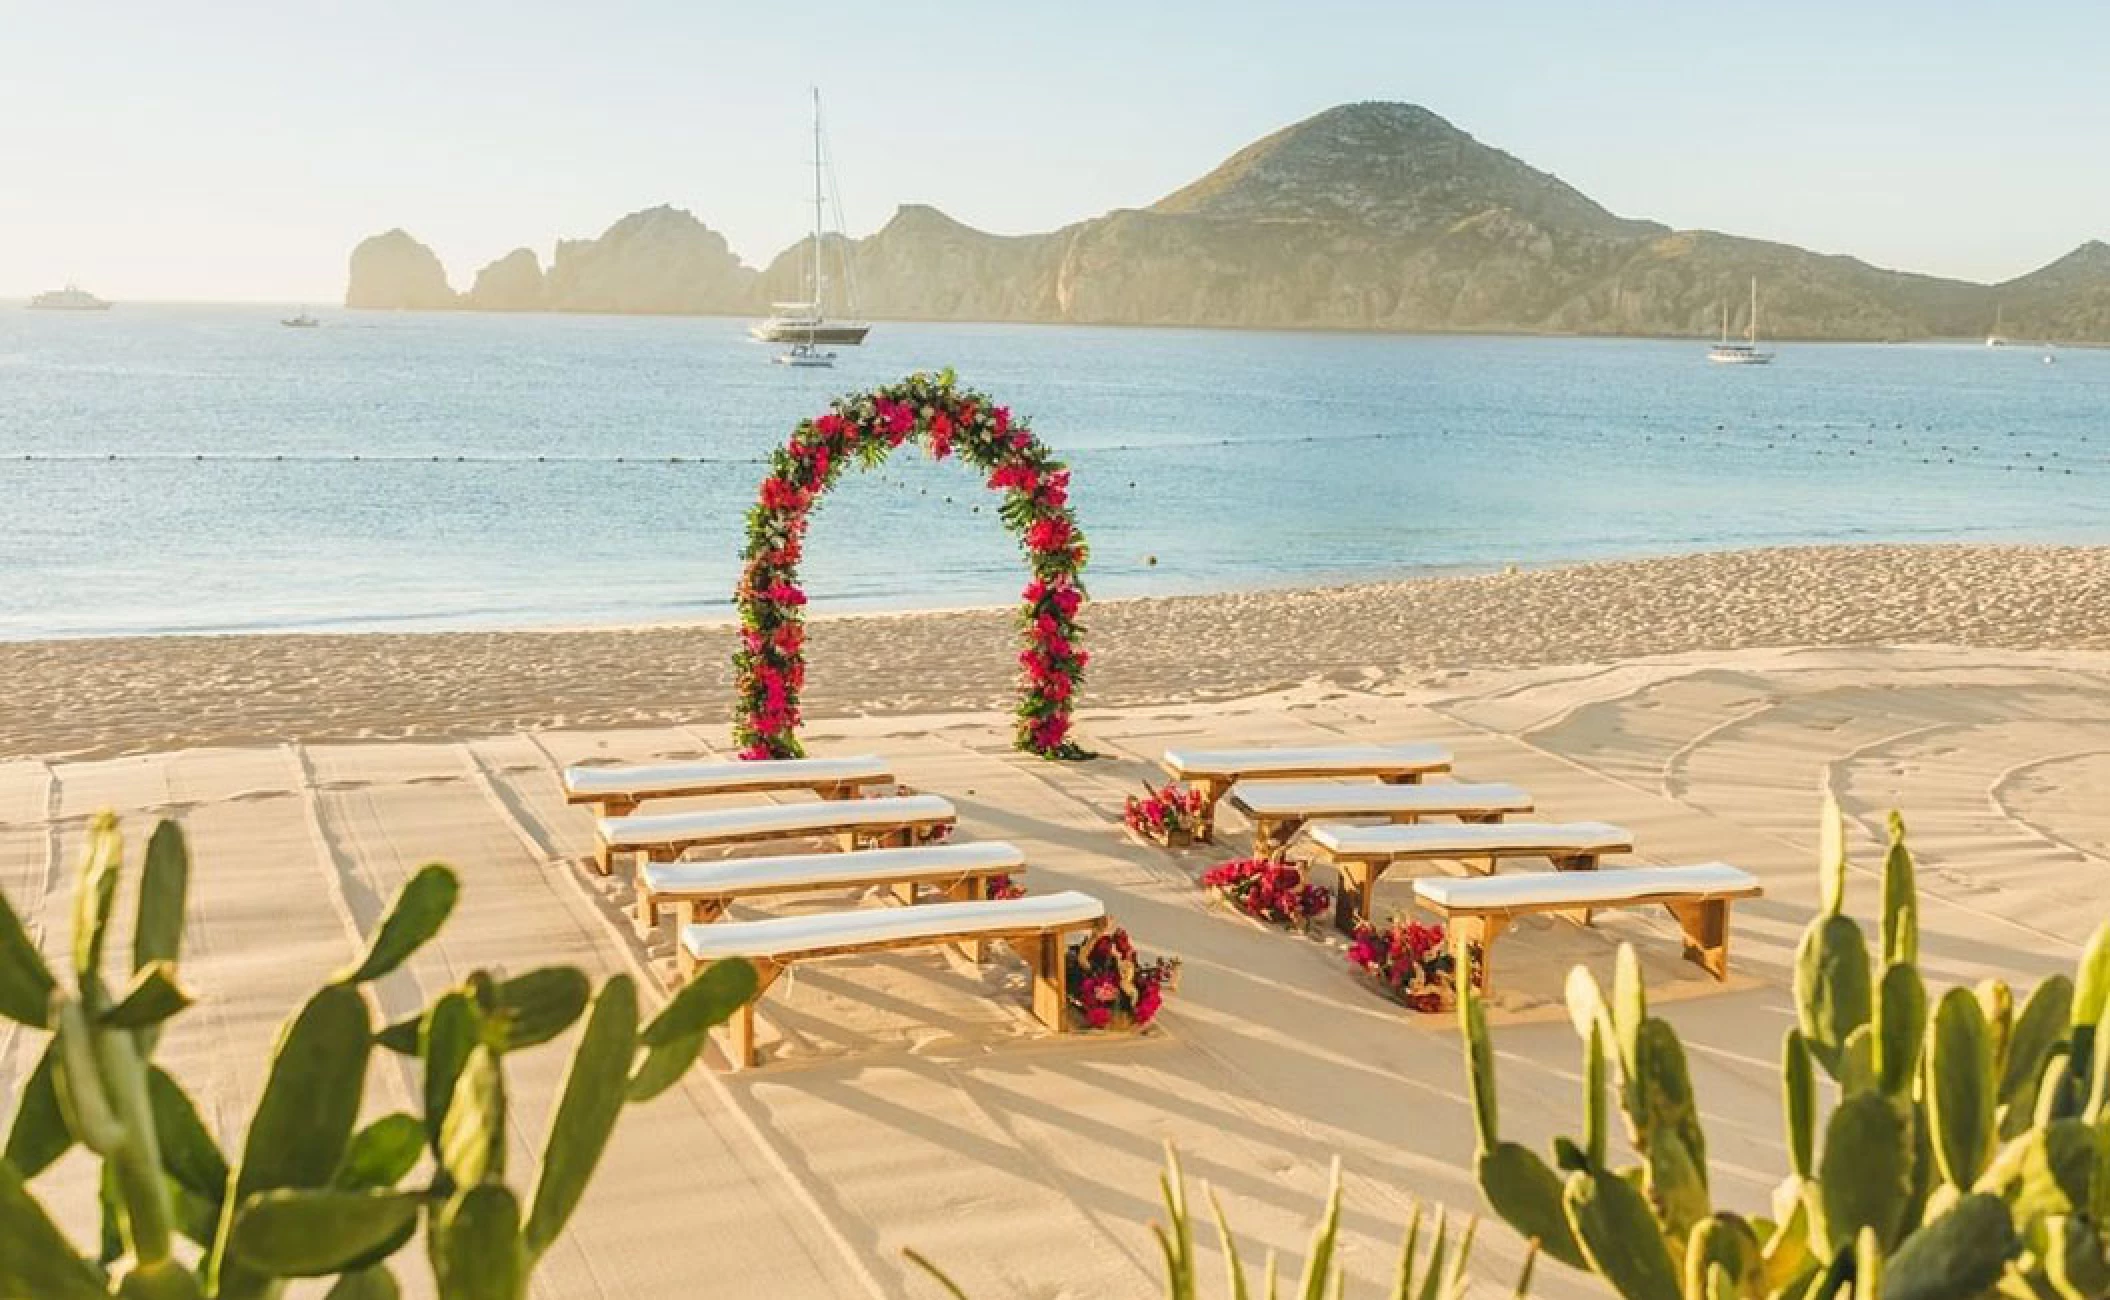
(395, 270)
(1367, 216)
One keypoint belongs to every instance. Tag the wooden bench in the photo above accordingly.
(889, 820)
(1360, 855)
(616, 791)
(1037, 926)
(1212, 772)
(1479, 908)
(1279, 809)
(963, 871)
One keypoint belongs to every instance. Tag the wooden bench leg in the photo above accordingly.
(972, 889)
(1576, 862)
(904, 892)
(1354, 894)
(1706, 926)
(741, 1028)
(1468, 932)
(1051, 997)
(1270, 835)
(1211, 792)
(647, 905)
(603, 857)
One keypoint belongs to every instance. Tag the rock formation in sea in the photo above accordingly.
(512, 283)
(1366, 216)
(395, 270)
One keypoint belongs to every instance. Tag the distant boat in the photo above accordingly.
(301, 322)
(70, 298)
(807, 322)
(1746, 353)
(1996, 339)
(805, 354)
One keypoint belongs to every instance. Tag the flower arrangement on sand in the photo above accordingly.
(862, 429)
(1109, 984)
(1413, 962)
(1269, 889)
(1005, 886)
(1170, 814)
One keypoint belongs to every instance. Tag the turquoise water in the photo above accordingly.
(191, 469)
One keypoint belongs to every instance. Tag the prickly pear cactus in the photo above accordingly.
(311, 1193)
(1939, 1148)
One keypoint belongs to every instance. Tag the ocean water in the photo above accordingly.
(178, 469)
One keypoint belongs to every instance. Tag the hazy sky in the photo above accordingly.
(218, 150)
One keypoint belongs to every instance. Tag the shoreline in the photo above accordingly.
(97, 697)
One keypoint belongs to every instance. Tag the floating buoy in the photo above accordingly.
(1150, 561)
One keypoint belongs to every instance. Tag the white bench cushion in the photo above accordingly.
(1343, 758)
(661, 778)
(1439, 838)
(847, 869)
(1317, 798)
(1573, 888)
(766, 820)
(788, 936)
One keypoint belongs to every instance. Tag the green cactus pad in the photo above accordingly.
(1724, 1244)
(39, 1134)
(1900, 1024)
(2056, 1172)
(382, 1153)
(1959, 1087)
(473, 1136)
(26, 983)
(594, 1092)
(36, 1260)
(1526, 1193)
(320, 1233)
(375, 1283)
(1619, 1236)
(703, 1003)
(1901, 928)
(164, 884)
(1798, 1085)
(539, 1005)
(1955, 1257)
(1865, 1174)
(451, 1030)
(413, 917)
(152, 997)
(475, 1245)
(1831, 987)
(2043, 1024)
(94, 895)
(189, 1154)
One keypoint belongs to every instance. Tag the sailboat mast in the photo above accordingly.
(1753, 335)
(819, 290)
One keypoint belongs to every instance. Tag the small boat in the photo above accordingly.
(805, 354)
(300, 322)
(807, 322)
(70, 298)
(1746, 353)
(1996, 339)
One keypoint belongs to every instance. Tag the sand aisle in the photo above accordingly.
(911, 1101)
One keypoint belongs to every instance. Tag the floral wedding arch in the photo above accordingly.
(864, 428)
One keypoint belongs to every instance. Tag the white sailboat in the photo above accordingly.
(805, 325)
(1998, 338)
(1746, 353)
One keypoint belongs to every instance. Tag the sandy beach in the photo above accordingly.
(910, 1100)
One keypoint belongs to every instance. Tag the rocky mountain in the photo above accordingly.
(394, 270)
(1367, 216)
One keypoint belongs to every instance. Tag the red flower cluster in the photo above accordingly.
(1105, 978)
(1411, 960)
(1163, 809)
(1269, 889)
(770, 664)
(1005, 887)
